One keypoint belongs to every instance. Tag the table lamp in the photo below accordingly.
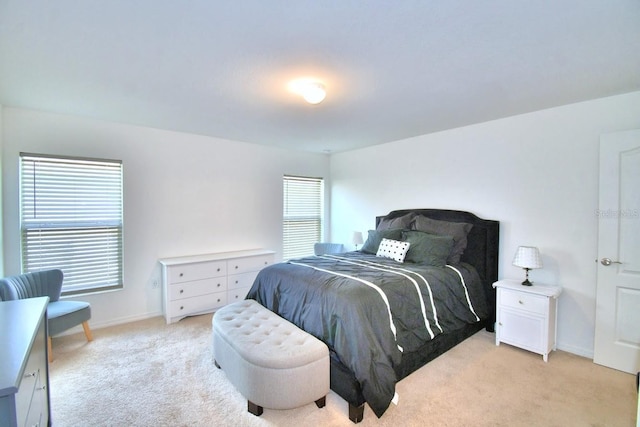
(357, 238)
(527, 257)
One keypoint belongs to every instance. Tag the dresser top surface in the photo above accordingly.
(19, 321)
(220, 256)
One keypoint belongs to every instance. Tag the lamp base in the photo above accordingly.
(526, 278)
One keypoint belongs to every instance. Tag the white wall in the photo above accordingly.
(536, 173)
(1, 231)
(183, 194)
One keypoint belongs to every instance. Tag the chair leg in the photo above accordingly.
(87, 331)
(50, 349)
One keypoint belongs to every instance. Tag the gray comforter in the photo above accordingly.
(369, 310)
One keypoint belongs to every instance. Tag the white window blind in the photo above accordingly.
(302, 215)
(71, 219)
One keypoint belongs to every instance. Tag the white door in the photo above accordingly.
(617, 337)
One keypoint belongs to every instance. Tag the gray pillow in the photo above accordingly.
(402, 222)
(457, 230)
(427, 249)
(375, 237)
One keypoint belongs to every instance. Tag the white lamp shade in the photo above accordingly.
(527, 257)
(357, 238)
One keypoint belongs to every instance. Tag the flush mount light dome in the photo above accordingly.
(312, 91)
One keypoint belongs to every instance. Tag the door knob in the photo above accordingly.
(607, 261)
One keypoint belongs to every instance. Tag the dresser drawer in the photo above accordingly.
(38, 404)
(523, 301)
(243, 280)
(25, 392)
(246, 264)
(237, 294)
(189, 306)
(196, 288)
(196, 271)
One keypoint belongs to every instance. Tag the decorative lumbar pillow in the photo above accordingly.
(457, 230)
(375, 237)
(427, 249)
(393, 249)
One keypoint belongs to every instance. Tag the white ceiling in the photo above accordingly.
(393, 69)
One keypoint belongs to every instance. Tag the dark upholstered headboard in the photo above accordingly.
(482, 247)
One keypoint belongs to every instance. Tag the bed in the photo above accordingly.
(382, 319)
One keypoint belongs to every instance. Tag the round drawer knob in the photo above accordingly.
(181, 290)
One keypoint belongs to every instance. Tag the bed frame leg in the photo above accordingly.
(356, 413)
(254, 409)
(320, 403)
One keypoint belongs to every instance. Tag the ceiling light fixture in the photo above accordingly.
(314, 93)
(311, 90)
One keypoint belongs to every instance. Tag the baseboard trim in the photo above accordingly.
(112, 322)
(584, 352)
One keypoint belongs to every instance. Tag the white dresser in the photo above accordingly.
(24, 371)
(526, 315)
(202, 283)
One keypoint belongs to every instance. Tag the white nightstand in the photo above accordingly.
(526, 315)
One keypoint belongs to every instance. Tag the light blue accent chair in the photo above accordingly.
(328, 248)
(61, 314)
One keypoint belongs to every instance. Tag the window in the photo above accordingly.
(71, 219)
(302, 215)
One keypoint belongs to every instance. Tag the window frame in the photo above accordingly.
(72, 218)
(303, 206)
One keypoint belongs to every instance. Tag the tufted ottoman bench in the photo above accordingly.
(271, 362)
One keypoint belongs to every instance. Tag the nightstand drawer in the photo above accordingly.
(524, 301)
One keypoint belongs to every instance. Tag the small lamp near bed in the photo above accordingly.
(356, 239)
(527, 257)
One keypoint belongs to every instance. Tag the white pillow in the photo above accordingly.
(393, 249)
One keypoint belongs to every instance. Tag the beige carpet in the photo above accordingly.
(148, 373)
